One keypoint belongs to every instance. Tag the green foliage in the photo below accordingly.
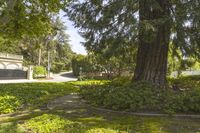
(9, 46)
(90, 82)
(39, 71)
(57, 67)
(105, 25)
(120, 81)
(103, 130)
(115, 28)
(9, 104)
(90, 121)
(95, 64)
(19, 18)
(48, 123)
(33, 30)
(78, 62)
(196, 66)
(183, 95)
(35, 50)
(100, 123)
(19, 96)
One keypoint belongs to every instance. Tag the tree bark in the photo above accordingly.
(151, 65)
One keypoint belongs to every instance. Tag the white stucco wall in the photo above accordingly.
(11, 61)
(10, 65)
(2, 65)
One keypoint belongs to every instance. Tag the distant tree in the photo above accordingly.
(36, 49)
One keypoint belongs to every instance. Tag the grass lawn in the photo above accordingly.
(80, 120)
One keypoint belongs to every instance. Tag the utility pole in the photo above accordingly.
(48, 58)
(49, 65)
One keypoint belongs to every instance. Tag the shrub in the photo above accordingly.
(39, 71)
(133, 96)
(57, 67)
(121, 81)
(77, 63)
(142, 96)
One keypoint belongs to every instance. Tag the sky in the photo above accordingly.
(75, 38)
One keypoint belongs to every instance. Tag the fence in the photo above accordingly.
(6, 74)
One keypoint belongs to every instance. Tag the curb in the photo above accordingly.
(147, 114)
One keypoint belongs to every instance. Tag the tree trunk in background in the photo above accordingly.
(151, 65)
(39, 56)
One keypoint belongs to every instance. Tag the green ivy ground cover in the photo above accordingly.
(57, 122)
(180, 96)
(14, 97)
(82, 120)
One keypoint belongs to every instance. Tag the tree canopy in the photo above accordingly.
(27, 17)
(107, 22)
(33, 27)
(148, 25)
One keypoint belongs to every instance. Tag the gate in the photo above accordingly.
(6, 74)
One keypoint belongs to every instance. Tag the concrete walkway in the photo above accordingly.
(61, 77)
(72, 104)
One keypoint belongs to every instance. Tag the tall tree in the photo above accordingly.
(147, 24)
(154, 42)
(27, 17)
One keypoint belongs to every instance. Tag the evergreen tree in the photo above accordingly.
(148, 24)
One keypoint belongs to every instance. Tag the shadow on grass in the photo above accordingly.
(84, 120)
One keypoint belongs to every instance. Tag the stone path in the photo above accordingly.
(71, 101)
(74, 105)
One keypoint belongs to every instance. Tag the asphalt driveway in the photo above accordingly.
(61, 77)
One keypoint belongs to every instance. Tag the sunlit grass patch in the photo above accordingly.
(30, 95)
(10, 127)
(49, 123)
(104, 130)
(90, 82)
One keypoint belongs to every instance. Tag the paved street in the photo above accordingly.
(61, 77)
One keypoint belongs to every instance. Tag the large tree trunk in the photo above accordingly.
(151, 65)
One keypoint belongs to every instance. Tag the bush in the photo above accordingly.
(78, 62)
(132, 97)
(121, 81)
(57, 67)
(141, 96)
(39, 71)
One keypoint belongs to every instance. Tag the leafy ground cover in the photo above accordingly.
(90, 82)
(84, 119)
(182, 96)
(14, 97)
(98, 122)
